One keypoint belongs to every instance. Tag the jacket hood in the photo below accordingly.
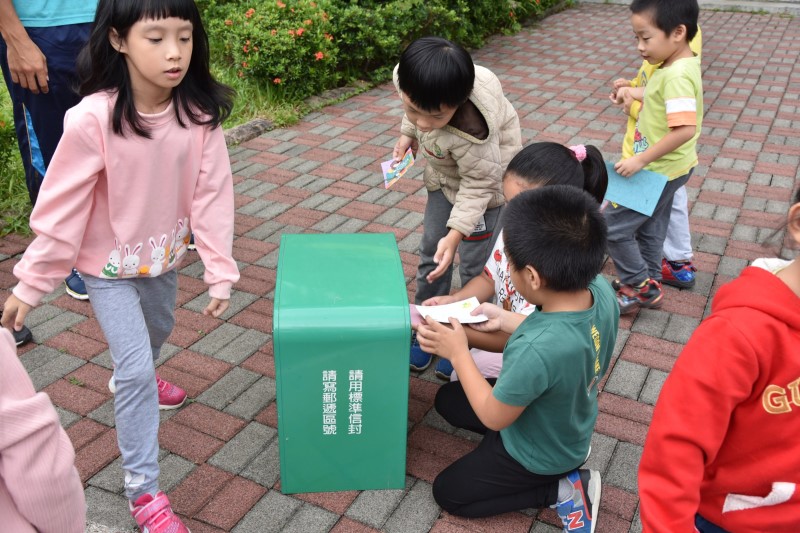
(760, 289)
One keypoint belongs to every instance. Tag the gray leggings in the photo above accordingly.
(136, 316)
(473, 251)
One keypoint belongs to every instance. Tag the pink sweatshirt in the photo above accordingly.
(118, 206)
(40, 489)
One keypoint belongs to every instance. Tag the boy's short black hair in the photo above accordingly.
(559, 231)
(669, 14)
(434, 72)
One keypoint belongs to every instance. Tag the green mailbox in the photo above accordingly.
(341, 339)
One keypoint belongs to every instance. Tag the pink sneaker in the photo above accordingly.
(170, 396)
(154, 515)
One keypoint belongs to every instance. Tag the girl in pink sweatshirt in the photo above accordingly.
(142, 163)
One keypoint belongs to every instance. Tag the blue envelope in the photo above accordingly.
(640, 192)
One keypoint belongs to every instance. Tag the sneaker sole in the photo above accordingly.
(595, 485)
(678, 283)
(442, 375)
(420, 368)
(76, 295)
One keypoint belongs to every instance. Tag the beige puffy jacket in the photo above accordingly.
(468, 168)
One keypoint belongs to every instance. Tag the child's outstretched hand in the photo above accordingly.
(445, 252)
(14, 313)
(628, 167)
(447, 342)
(216, 307)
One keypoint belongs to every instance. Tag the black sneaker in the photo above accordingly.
(22, 336)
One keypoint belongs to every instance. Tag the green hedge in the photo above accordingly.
(296, 48)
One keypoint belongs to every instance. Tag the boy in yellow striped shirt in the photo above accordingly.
(664, 141)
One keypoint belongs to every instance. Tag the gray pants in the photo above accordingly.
(635, 241)
(136, 316)
(473, 251)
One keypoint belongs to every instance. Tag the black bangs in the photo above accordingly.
(129, 12)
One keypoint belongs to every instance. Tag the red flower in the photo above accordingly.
(319, 55)
(281, 4)
(273, 32)
(244, 64)
(245, 49)
(249, 13)
(229, 22)
(329, 36)
(241, 74)
(276, 81)
(300, 31)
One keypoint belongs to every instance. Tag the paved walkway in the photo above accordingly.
(219, 454)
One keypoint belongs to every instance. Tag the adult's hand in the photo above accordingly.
(28, 65)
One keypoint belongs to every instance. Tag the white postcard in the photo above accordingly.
(458, 310)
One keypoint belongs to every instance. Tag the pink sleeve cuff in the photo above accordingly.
(221, 290)
(28, 294)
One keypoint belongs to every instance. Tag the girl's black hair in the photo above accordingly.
(434, 71)
(549, 163)
(199, 97)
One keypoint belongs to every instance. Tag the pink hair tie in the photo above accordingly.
(580, 152)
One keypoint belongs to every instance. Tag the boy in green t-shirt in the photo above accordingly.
(665, 141)
(677, 268)
(539, 414)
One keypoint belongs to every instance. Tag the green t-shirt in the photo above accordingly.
(673, 97)
(552, 364)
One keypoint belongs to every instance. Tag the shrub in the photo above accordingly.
(296, 48)
(286, 46)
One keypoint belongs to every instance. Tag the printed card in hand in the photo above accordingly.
(459, 310)
(394, 170)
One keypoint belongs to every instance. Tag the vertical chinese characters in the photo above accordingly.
(329, 402)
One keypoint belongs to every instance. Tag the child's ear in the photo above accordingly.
(116, 41)
(532, 278)
(793, 226)
(679, 33)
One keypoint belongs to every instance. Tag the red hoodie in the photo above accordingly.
(725, 437)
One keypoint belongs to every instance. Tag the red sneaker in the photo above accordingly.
(170, 396)
(154, 515)
(648, 295)
(678, 274)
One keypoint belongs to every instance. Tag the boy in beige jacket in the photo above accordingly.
(458, 118)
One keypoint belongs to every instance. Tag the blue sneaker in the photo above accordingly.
(420, 360)
(443, 369)
(579, 513)
(75, 286)
(678, 274)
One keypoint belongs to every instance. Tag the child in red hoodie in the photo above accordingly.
(723, 451)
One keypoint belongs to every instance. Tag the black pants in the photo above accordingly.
(487, 481)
